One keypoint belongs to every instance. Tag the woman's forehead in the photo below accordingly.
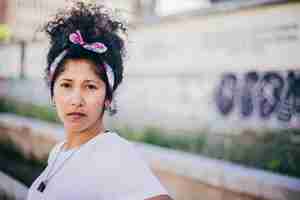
(79, 70)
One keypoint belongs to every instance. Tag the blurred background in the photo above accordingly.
(211, 95)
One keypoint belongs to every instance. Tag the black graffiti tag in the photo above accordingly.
(247, 97)
(271, 87)
(226, 93)
(273, 93)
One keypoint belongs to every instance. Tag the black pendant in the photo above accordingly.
(42, 186)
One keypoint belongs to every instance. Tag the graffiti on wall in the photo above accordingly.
(266, 93)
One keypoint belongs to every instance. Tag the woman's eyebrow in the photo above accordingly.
(92, 81)
(66, 79)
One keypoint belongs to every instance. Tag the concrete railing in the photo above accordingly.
(11, 189)
(186, 176)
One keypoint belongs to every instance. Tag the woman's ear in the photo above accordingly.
(107, 103)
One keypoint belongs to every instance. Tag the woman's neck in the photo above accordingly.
(76, 139)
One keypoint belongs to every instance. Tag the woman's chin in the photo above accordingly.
(74, 127)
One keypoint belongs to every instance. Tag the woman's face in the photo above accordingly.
(79, 95)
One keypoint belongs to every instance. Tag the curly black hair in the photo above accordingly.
(96, 23)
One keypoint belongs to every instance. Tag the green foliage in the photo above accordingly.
(274, 164)
(155, 136)
(29, 110)
(5, 32)
(274, 150)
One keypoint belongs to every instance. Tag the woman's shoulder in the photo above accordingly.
(117, 147)
(123, 144)
(128, 170)
(114, 138)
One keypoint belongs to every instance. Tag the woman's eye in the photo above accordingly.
(65, 85)
(92, 87)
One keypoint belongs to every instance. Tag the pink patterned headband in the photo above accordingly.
(96, 47)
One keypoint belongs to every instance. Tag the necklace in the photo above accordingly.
(43, 184)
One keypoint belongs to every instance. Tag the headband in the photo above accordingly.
(96, 47)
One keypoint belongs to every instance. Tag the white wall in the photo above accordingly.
(173, 68)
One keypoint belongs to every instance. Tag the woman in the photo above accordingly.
(84, 70)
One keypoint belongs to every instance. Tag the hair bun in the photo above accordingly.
(96, 23)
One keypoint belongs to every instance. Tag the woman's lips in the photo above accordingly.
(76, 116)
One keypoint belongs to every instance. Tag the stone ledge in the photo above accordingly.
(217, 173)
(33, 137)
(11, 189)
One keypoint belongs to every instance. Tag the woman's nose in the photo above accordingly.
(76, 98)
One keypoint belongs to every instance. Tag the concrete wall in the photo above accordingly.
(176, 72)
(175, 69)
(28, 16)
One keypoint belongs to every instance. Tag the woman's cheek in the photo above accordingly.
(61, 104)
(60, 111)
(96, 103)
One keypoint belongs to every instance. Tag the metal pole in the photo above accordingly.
(22, 63)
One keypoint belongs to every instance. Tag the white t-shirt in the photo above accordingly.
(107, 167)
